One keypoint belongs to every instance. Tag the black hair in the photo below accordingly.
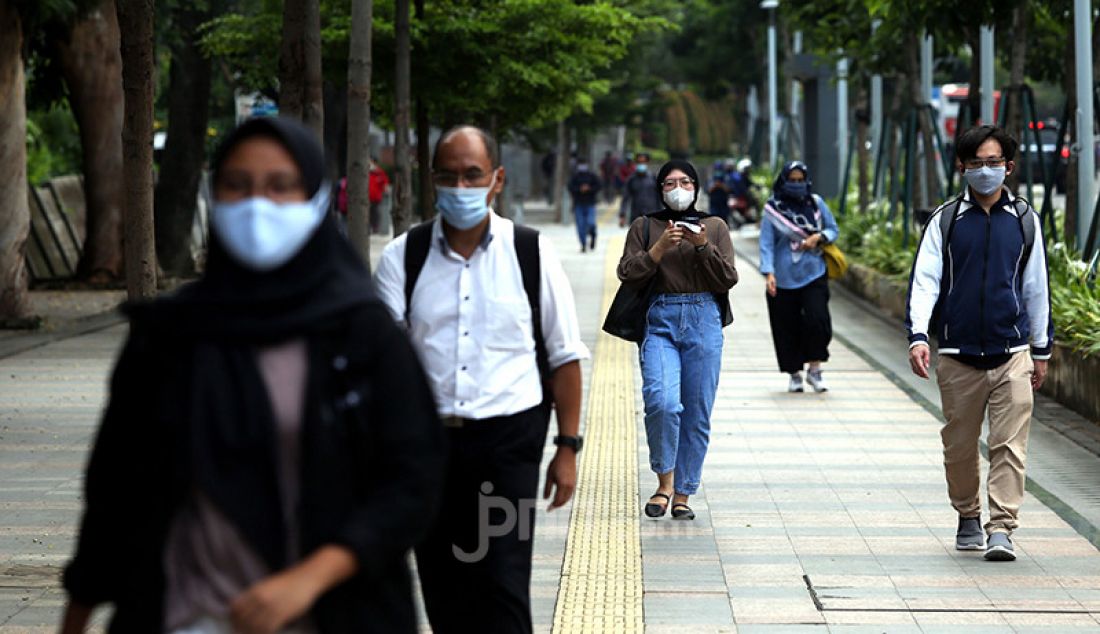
(972, 139)
(491, 147)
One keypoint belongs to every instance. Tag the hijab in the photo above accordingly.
(323, 280)
(802, 211)
(668, 213)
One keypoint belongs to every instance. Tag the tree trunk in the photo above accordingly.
(973, 95)
(863, 157)
(561, 166)
(924, 172)
(15, 218)
(336, 129)
(135, 21)
(185, 147)
(423, 151)
(92, 66)
(1013, 101)
(1069, 224)
(301, 92)
(358, 171)
(292, 71)
(402, 208)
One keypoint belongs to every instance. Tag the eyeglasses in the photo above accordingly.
(684, 182)
(470, 178)
(973, 164)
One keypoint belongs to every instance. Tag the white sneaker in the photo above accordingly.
(796, 383)
(817, 381)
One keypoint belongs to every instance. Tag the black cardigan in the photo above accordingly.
(371, 472)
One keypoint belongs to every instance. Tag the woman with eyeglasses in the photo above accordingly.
(796, 223)
(270, 451)
(688, 256)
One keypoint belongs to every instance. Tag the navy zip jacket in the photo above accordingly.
(990, 302)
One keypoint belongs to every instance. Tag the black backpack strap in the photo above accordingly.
(417, 244)
(1027, 226)
(530, 267)
(947, 223)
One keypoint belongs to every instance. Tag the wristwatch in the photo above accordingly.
(573, 442)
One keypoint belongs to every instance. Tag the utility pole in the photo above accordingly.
(773, 111)
(987, 74)
(1086, 158)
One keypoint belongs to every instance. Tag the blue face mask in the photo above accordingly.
(642, 168)
(985, 180)
(463, 207)
(796, 189)
(262, 234)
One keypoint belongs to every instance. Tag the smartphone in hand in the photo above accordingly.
(690, 226)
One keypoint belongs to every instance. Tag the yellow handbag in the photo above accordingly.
(836, 264)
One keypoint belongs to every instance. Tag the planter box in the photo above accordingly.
(1073, 379)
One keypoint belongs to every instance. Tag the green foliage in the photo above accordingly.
(511, 63)
(1075, 300)
(877, 243)
(53, 143)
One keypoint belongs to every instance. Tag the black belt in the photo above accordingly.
(456, 422)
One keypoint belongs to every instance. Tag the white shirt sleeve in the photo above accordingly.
(389, 278)
(560, 328)
(925, 281)
(1036, 295)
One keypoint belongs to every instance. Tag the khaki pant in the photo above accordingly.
(965, 393)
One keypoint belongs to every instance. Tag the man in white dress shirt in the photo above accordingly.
(469, 318)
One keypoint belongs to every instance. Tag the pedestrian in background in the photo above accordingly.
(796, 223)
(981, 268)
(488, 306)
(641, 194)
(584, 187)
(377, 186)
(718, 193)
(609, 168)
(691, 255)
(269, 453)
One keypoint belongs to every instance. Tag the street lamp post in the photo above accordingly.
(773, 114)
(1086, 158)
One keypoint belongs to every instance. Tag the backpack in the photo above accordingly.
(417, 245)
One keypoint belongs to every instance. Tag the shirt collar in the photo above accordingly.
(1005, 201)
(490, 231)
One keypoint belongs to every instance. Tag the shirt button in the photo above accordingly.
(340, 362)
(467, 265)
(462, 402)
(466, 334)
(463, 368)
(467, 298)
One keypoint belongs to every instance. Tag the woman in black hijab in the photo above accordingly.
(689, 257)
(270, 450)
(796, 222)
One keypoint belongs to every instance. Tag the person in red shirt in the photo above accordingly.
(379, 183)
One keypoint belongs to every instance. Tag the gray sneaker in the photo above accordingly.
(1000, 548)
(970, 535)
(796, 383)
(817, 381)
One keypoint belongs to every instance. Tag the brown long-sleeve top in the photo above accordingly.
(683, 270)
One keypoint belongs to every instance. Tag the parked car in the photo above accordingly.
(1048, 141)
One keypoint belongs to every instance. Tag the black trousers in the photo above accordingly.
(801, 326)
(475, 563)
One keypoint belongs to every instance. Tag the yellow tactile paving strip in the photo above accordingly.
(601, 578)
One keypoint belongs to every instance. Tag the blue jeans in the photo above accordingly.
(586, 222)
(681, 356)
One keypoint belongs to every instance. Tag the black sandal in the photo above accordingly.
(685, 514)
(657, 510)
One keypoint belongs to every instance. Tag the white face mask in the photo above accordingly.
(679, 199)
(262, 234)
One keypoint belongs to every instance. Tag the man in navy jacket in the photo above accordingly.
(985, 278)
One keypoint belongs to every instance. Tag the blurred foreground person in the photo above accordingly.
(981, 269)
(269, 453)
(490, 310)
(690, 256)
(796, 223)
